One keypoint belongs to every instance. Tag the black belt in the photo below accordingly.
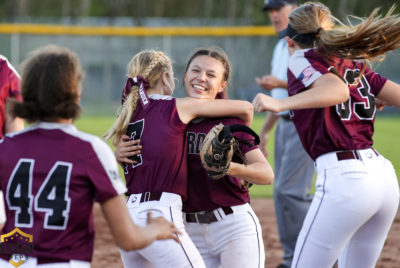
(150, 196)
(351, 154)
(208, 216)
(286, 117)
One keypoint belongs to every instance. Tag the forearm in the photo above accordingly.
(127, 235)
(326, 91)
(256, 173)
(282, 84)
(269, 123)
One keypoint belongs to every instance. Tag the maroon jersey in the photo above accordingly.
(50, 176)
(204, 193)
(346, 126)
(9, 87)
(161, 167)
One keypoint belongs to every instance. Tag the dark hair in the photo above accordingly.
(50, 85)
(218, 54)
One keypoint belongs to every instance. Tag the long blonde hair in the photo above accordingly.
(368, 40)
(150, 64)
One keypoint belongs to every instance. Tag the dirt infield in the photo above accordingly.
(106, 253)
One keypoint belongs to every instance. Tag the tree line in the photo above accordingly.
(231, 10)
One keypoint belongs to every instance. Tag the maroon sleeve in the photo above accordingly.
(14, 82)
(375, 80)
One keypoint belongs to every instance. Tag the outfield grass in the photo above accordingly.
(387, 142)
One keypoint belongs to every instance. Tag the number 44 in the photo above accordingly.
(52, 197)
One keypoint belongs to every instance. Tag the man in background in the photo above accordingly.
(294, 169)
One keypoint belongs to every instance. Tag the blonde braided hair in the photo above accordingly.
(150, 64)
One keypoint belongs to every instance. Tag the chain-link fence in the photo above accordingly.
(104, 59)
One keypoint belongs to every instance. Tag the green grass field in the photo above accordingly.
(387, 142)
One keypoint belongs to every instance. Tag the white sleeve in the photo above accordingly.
(108, 161)
(2, 209)
(302, 68)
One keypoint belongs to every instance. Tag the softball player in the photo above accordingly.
(51, 173)
(9, 88)
(217, 211)
(333, 103)
(157, 177)
(218, 217)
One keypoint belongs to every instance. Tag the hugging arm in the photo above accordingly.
(257, 170)
(190, 108)
(390, 94)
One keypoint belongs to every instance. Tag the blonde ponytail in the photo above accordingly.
(149, 64)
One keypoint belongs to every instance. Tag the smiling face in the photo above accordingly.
(204, 78)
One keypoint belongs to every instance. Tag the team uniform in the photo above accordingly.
(218, 216)
(9, 88)
(291, 185)
(158, 182)
(357, 193)
(51, 174)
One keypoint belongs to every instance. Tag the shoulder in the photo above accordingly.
(6, 66)
(98, 145)
(307, 66)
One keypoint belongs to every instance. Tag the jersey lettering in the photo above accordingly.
(363, 110)
(135, 131)
(195, 140)
(19, 193)
(52, 197)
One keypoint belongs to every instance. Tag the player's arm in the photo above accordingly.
(327, 90)
(190, 108)
(130, 236)
(390, 94)
(257, 171)
(269, 82)
(269, 123)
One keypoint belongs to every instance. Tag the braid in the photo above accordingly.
(153, 63)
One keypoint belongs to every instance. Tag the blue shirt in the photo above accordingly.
(279, 66)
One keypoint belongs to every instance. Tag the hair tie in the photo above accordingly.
(143, 85)
(319, 29)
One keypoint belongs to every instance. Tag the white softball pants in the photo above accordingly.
(234, 241)
(350, 216)
(31, 262)
(161, 253)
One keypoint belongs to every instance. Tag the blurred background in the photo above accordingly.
(107, 33)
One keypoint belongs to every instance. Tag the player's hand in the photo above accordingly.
(127, 148)
(263, 144)
(264, 103)
(164, 228)
(268, 82)
(380, 104)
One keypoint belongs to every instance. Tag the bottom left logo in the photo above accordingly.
(17, 244)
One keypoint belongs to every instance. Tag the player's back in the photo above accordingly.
(50, 175)
(161, 166)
